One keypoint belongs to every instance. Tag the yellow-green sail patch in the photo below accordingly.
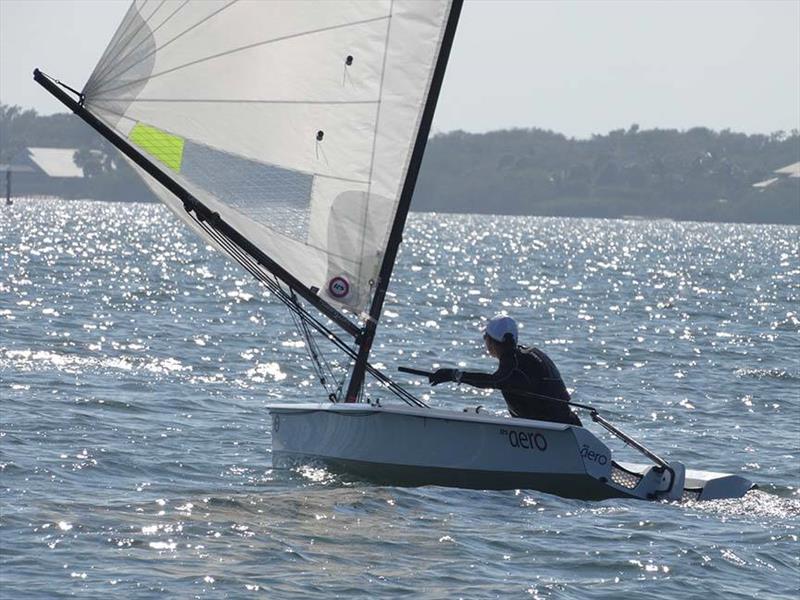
(161, 145)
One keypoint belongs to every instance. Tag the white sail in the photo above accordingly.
(294, 120)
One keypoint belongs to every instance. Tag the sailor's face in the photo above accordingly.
(490, 345)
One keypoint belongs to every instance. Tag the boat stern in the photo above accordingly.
(652, 482)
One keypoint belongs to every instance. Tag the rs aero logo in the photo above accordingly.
(528, 440)
(338, 287)
(593, 456)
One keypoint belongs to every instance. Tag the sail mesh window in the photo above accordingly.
(273, 196)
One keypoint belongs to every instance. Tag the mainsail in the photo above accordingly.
(295, 121)
(296, 126)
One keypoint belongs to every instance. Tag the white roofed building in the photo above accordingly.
(791, 171)
(38, 171)
(56, 162)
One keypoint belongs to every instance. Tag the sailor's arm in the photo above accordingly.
(476, 379)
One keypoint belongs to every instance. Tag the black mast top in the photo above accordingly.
(395, 236)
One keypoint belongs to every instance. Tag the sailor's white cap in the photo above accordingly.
(499, 326)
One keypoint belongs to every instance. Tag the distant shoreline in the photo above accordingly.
(627, 218)
(694, 175)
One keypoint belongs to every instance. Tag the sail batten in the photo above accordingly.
(101, 66)
(133, 100)
(235, 50)
(111, 74)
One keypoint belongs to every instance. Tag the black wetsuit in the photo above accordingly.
(528, 371)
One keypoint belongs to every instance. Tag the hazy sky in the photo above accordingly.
(577, 67)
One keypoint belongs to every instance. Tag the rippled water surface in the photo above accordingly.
(136, 364)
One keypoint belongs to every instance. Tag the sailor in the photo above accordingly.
(527, 378)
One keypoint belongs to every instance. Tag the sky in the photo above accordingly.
(575, 67)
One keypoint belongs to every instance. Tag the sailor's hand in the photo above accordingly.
(444, 375)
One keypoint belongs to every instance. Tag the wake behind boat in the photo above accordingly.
(289, 135)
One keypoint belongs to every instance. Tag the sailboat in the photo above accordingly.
(289, 135)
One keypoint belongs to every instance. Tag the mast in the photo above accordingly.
(201, 212)
(396, 234)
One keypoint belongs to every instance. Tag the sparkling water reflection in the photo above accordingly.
(136, 364)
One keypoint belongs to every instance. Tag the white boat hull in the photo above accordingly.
(415, 446)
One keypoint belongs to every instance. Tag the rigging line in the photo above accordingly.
(339, 381)
(337, 393)
(312, 350)
(247, 262)
(328, 365)
(134, 100)
(241, 49)
(108, 66)
(396, 389)
(254, 269)
(80, 96)
(178, 36)
(316, 352)
(299, 314)
(302, 327)
(249, 265)
(123, 43)
(272, 284)
(317, 357)
(243, 259)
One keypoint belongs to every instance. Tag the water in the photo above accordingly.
(136, 364)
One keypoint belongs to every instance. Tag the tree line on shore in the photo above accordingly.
(698, 174)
